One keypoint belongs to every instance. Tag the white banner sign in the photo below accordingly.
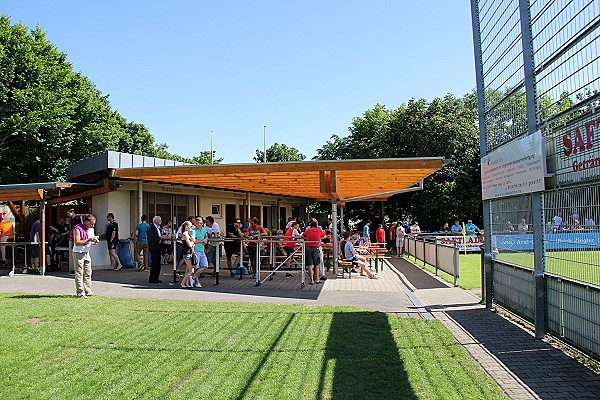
(473, 243)
(515, 168)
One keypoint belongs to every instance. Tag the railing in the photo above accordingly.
(441, 256)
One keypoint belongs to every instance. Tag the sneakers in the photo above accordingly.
(82, 296)
(198, 285)
(191, 280)
(323, 278)
(374, 276)
(25, 271)
(288, 275)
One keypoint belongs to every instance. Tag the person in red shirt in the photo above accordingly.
(289, 245)
(312, 255)
(254, 231)
(380, 235)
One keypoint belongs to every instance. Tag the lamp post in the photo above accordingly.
(212, 138)
(265, 143)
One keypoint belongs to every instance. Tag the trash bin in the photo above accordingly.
(125, 253)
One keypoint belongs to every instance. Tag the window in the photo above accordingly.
(215, 209)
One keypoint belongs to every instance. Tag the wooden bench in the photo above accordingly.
(346, 265)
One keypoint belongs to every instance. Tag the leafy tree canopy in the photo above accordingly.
(279, 153)
(443, 127)
(51, 116)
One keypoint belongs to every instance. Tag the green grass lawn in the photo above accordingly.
(582, 266)
(60, 347)
(469, 270)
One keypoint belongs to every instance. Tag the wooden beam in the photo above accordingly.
(82, 195)
(19, 215)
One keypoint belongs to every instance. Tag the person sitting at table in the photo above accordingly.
(350, 254)
(380, 235)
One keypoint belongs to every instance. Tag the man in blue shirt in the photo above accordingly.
(471, 228)
(367, 232)
(456, 229)
(141, 245)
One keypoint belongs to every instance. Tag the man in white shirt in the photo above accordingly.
(213, 231)
(400, 233)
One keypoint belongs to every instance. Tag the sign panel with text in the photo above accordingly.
(514, 169)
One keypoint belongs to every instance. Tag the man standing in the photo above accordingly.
(367, 233)
(232, 247)
(153, 234)
(142, 243)
(400, 233)
(83, 239)
(380, 235)
(7, 234)
(112, 240)
(213, 231)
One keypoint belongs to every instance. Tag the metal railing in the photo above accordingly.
(442, 257)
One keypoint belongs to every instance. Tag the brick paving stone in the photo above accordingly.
(524, 367)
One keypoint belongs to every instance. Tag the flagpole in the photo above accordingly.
(464, 233)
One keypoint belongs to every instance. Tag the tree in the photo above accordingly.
(443, 127)
(279, 153)
(51, 116)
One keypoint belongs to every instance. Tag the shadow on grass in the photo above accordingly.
(366, 360)
(41, 296)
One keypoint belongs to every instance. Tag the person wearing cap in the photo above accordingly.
(7, 233)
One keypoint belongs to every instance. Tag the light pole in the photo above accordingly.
(265, 143)
(212, 138)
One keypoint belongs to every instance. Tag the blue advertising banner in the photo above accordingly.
(554, 241)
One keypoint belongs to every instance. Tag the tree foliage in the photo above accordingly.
(443, 127)
(51, 116)
(279, 153)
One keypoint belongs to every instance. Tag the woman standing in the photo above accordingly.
(188, 243)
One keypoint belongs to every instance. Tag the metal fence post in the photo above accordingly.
(536, 198)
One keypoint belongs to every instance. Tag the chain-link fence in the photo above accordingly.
(538, 68)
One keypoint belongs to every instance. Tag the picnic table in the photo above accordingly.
(375, 251)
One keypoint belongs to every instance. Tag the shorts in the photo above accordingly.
(35, 250)
(312, 256)
(181, 249)
(202, 260)
(112, 245)
(288, 250)
(399, 242)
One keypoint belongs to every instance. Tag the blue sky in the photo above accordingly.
(303, 69)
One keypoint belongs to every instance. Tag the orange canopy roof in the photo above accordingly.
(343, 180)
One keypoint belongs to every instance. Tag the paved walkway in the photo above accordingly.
(525, 368)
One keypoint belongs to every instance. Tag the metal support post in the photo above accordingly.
(536, 198)
(335, 236)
